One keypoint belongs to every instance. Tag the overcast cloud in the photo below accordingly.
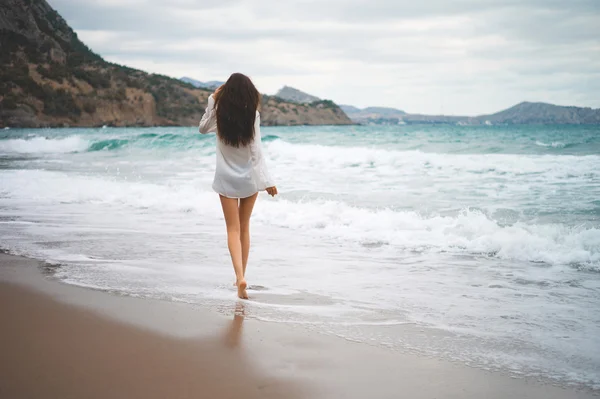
(428, 56)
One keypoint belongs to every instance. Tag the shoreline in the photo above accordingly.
(82, 336)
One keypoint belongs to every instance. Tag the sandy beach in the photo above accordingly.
(61, 341)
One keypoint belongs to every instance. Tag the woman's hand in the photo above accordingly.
(272, 191)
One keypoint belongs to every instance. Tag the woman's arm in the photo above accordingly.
(208, 123)
(266, 182)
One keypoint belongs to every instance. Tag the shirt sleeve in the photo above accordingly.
(258, 159)
(208, 123)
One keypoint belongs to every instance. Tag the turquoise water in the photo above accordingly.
(487, 236)
(535, 139)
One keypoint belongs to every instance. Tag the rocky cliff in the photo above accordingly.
(276, 111)
(48, 77)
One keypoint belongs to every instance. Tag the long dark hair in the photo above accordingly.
(236, 101)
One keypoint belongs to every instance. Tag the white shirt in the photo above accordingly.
(240, 172)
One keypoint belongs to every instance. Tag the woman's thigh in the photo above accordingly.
(231, 213)
(245, 210)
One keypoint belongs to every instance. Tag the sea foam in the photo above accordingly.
(43, 145)
(469, 232)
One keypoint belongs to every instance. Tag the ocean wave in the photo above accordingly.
(390, 162)
(270, 137)
(151, 141)
(554, 144)
(469, 232)
(112, 144)
(43, 145)
(73, 144)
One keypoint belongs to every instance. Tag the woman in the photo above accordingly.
(232, 113)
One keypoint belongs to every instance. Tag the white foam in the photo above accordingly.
(377, 163)
(468, 232)
(554, 144)
(41, 145)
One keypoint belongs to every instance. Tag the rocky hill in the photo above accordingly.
(322, 112)
(48, 77)
(295, 96)
(542, 113)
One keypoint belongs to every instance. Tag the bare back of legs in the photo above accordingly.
(237, 218)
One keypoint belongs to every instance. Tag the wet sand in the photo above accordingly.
(59, 341)
(52, 350)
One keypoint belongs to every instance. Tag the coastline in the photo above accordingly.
(143, 126)
(79, 342)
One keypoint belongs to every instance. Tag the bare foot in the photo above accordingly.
(241, 287)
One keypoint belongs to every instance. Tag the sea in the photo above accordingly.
(479, 245)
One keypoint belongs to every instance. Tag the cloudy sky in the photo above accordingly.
(430, 56)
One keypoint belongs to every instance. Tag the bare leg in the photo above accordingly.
(232, 220)
(245, 211)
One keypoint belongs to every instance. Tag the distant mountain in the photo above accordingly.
(296, 96)
(523, 113)
(384, 111)
(543, 113)
(370, 115)
(211, 85)
(349, 109)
